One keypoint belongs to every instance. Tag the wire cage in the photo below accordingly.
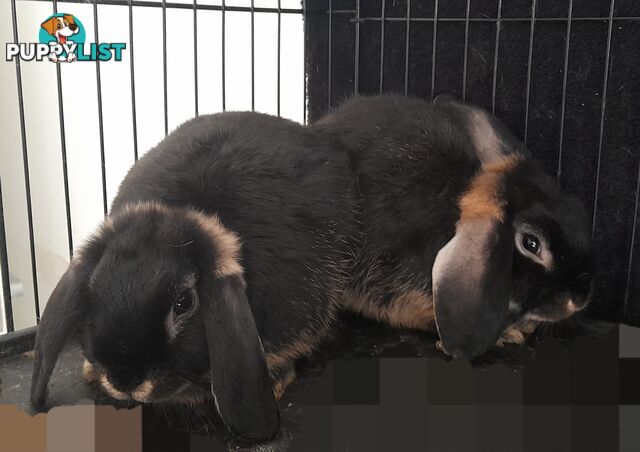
(102, 116)
(560, 73)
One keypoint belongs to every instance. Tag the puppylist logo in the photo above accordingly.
(62, 39)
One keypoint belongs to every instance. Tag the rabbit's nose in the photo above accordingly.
(580, 302)
(124, 382)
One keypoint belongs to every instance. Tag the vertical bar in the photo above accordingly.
(382, 20)
(195, 54)
(63, 147)
(433, 51)
(279, 51)
(356, 61)
(133, 85)
(25, 163)
(164, 65)
(534, 10)
(605, 85)
(253, 60)
(406, 48)
(304, 63)
(4, 270)
(329, 55)
(633, 239)
(495, 58)
(224, 56)
(564, 90)
(466, 51)
(105, 207)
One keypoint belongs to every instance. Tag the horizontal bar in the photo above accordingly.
(184, 6)
(485, 19)
(480, 19)
(17, 342)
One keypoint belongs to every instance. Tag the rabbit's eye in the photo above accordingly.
(531, 244)
(183, 303)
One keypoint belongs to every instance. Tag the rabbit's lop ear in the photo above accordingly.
(472, 272)
(240, 381)
(60, 319)
(471, 284)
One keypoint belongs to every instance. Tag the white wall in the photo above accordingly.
(79, 89)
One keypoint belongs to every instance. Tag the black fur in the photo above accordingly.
(289, 198)
(413, 160)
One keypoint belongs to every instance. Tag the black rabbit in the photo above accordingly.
(463, 230)
(219, 265)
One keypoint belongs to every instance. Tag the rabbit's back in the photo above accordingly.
(283, 190)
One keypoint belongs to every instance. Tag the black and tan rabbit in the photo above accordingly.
(218, 266)
(464, 233)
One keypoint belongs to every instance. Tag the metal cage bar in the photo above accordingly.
(279, 53)
(63, 148)
(532, 30)
(171, 5)
(486, 19)
(434, 49)
(356, 58)
(103, 165)
(304, 62)
(253, 58)
(132, 74)
(496, 54)
(223, 32)
(164, 67)
(605, 86)
(406, 49)
(329, 54)
(625, 302)
(564, 89)
(4, 270)
(466, 51)
(25, 164)
(382, 46)
(195, 56)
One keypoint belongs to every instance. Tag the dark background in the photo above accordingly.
(569, 88)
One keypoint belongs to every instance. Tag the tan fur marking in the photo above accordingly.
(302, 346)
(516, 334)
(88, 372)
(411, 309)
(226, 242)
(113, 392)
(482, 199)
(306, 341)
(143, 391)
(281, 385)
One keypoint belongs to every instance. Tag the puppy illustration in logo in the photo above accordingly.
(61, 28)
